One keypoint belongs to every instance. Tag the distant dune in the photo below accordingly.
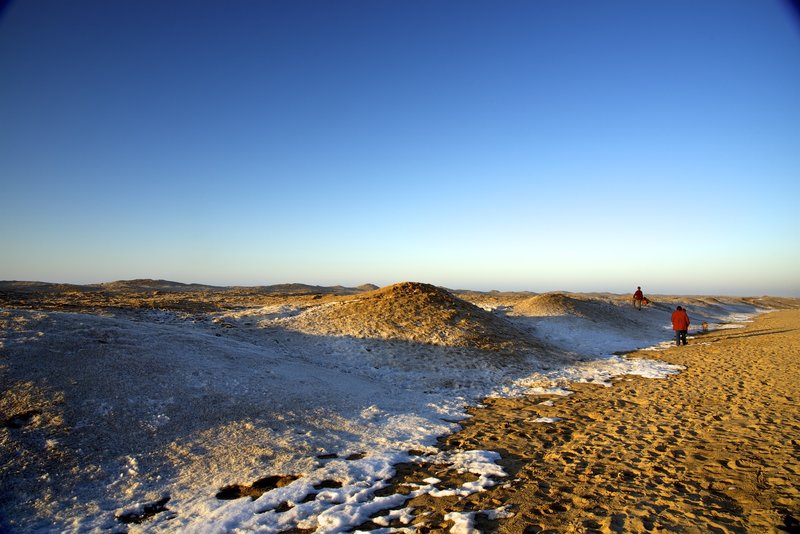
(146, 284)
(551, 304)
(558, 304)
(158, 294)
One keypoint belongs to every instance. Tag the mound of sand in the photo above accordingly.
(367, 287)
(551, 304)
(597, 311)
(415, 312)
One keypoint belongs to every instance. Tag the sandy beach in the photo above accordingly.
(715, 448)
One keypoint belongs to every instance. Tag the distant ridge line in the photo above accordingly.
(150, 284)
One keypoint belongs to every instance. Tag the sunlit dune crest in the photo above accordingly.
(612, 312)
(551, 304)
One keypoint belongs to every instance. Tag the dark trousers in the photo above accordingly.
(680, 337)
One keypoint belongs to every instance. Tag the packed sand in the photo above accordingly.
(715, 448)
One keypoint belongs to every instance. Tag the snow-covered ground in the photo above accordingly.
(156, 421)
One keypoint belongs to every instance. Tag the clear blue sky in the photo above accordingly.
(533, 145)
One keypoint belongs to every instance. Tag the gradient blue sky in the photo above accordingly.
(533, 145)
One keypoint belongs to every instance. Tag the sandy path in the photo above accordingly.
(713, 449)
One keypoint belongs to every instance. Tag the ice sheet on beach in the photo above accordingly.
(176, 407)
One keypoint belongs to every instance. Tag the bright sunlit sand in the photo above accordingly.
(713, 448)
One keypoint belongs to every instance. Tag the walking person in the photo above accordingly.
(680, 323)
(638, 297)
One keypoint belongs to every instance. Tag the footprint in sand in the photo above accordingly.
(21, 419)
(144, 513)
(597, 510)
(256, 489)
(742, 463)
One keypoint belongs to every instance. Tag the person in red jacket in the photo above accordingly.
(680, 323)
(638, 297)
